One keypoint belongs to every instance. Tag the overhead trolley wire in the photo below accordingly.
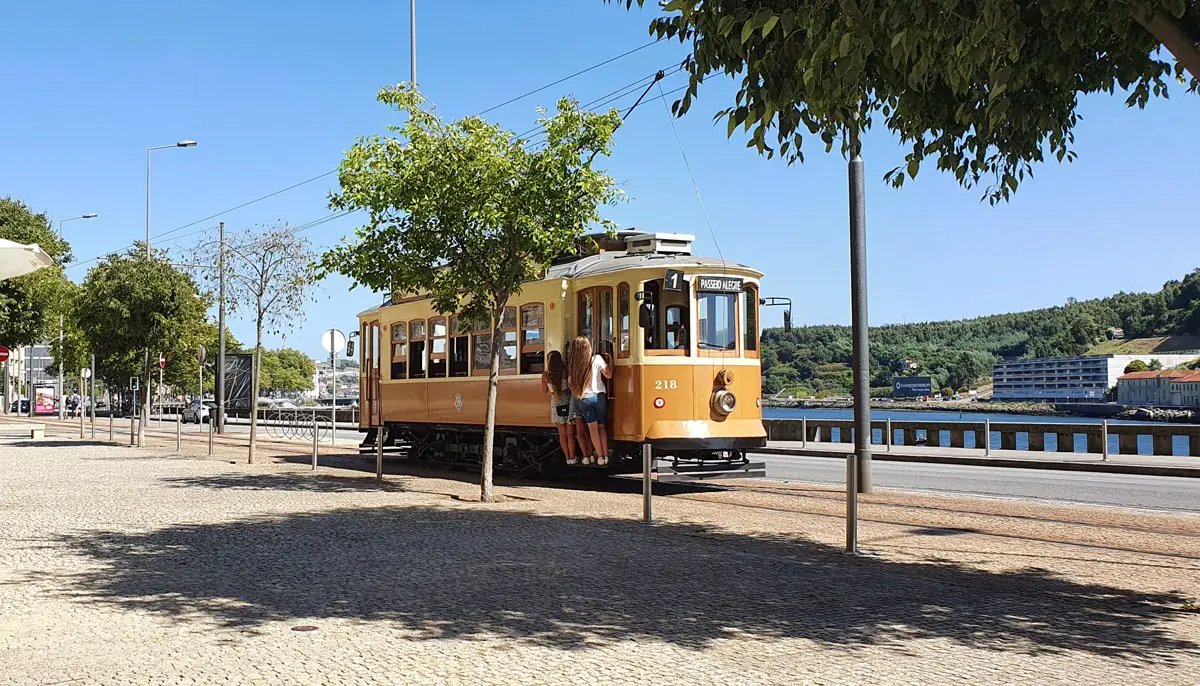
(334, 171)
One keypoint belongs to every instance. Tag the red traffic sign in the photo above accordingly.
(3, 354)
(162, 360)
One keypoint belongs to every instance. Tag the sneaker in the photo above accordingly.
(587, 460)
(572, 460)
(602, 460)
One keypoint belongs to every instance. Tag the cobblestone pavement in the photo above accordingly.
(141, 566)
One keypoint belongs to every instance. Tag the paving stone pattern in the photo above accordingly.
(132, 566)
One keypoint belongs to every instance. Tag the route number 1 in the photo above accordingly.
(673, 281)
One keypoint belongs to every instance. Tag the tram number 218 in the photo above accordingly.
(665, 384)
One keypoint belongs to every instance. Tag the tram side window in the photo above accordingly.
(399, 350)
(508, 332)
(623, 341)
(604, 322)
(750, 318)
(672, 322)
(716, 315)
(460, 347)
(587, 313)
(437, 348)
(533, 349)
(481, 349)
(416, 349)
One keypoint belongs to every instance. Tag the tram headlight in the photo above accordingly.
(723, 401)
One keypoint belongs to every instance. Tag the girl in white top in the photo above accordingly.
(585, 377)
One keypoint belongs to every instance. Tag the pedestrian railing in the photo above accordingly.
(1100, 438)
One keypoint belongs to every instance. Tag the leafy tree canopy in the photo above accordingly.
(467, 212)
(287, 370)
(27, 303)
(985, 89)
(131, 304)
(1136, 366)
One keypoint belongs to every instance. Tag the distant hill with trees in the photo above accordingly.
(815, 360)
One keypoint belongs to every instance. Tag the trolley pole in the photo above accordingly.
(647, 483)
(858, 291)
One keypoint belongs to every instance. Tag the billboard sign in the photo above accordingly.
(43, 399)
(912, 386)
(239, 370)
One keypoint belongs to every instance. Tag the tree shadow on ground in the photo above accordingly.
(304, 483)
(53, 443)
(577, 583)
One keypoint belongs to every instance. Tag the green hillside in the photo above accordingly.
(1142, 346)
(816, 359)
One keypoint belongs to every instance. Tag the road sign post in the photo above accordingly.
(162, 364)
(4, 353)
(333, 341)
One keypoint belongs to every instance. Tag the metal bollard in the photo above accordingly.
(82, 426)
(804, 432)
(1104, 442)
(887, 440)
(132, 431)
(987, 437)
(852, 504)
(211, 426)
(110, 423)
(379, 454)
(647, 483)
(316, 433)
(179, 434)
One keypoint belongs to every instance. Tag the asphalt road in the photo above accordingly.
(1175, 494)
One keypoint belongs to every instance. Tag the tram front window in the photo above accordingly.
(671, 320)
(716, 317)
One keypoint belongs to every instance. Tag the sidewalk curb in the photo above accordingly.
(1100, 467)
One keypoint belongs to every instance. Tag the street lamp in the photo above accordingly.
(180, 144)
(62, 406)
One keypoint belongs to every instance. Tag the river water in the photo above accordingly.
(1145, 443)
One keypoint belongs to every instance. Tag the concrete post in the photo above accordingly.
(1104, 441)
(316, 433)
(889, 437)
(647, 483)
(987, 437)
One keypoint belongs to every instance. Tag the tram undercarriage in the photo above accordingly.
(536, 452)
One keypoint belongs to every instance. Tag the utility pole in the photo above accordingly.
(858, 297)
(62, 406)
(220, 385)
(94, 397)
(412, 36)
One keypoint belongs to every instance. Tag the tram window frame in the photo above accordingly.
(399, 357)
(459, 348)
(585, 315)
(624, 339)
(482, 333)
(417, 367)
(605, 322)
(750, 335)
(532, 356)
(664, 301)
(438, 361)
(730, 300)
(509, 338)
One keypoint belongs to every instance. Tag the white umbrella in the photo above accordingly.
(18, 260)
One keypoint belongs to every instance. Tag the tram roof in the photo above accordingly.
(617, 261)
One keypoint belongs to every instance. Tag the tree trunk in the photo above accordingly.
(1176, 35)
(254, 390)
(146, 395)
(489, 432)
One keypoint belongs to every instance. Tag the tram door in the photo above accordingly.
(595, 317)
(370, 377)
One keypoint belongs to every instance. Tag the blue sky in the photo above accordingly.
(275, 92)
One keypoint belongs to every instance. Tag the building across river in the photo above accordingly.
(1083, 378)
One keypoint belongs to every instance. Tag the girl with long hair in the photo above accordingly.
(586, 373)
(554, 382)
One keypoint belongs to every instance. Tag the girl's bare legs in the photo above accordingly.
(599, 439)
(565, 442)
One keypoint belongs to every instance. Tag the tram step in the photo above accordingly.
(667, 473)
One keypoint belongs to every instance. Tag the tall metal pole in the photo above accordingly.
(412, 36)
(62, 370)
(94, 396)
(333, 371)
(858, 297)
(148, 202)
(220, 385)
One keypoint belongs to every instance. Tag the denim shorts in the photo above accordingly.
(593, 408)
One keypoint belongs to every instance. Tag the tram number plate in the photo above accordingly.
(673, 280)
(665, 384)
(718, 283)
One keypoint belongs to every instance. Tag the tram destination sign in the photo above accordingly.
(728, 284)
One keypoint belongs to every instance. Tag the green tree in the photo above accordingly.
(28, 303)
(467, 212)
(287, 370)
(1155, 365)
(1136, 366)
(269, 275)
(985, 88)
(132, 307)
(947, 393)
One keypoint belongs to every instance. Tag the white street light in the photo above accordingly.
(62, 406)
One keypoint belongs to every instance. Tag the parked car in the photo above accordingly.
(198, 411)
(24, 406)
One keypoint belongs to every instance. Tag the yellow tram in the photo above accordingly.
(681, 330)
